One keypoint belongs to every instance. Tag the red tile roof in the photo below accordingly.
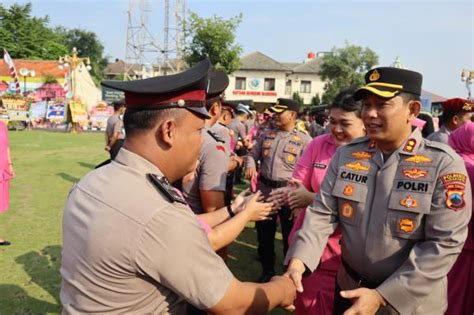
(41, 67)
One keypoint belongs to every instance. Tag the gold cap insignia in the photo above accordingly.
(374, 76)
(467, 107)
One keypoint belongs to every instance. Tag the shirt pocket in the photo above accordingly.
(290, 153)
(406, 214)
(351, 201)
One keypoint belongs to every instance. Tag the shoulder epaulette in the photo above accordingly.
(166, 188)
(442, 147)
(215, 136)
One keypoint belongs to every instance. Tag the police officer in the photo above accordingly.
(456, 112)
(131, 245)
(277, 151)
(403, 204)
(114, 132)
(205, 191)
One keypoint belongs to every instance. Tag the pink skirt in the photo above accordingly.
(4, 195)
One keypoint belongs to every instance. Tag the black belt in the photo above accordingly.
(273, 183)
(360, 279)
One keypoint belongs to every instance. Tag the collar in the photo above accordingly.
(445, 129)
(136, 162)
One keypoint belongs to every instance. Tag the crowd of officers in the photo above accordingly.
(147, 232)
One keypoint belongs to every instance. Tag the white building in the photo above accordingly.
(264, 79)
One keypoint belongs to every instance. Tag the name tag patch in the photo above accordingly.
(319, 165)
(413, 186)
(354, 177)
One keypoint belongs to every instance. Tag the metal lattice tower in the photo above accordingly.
(143, 48)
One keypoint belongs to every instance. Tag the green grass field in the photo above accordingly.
(47, 164)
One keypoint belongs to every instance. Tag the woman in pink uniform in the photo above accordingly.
(345, 125)
(461, 276)
(6, 173)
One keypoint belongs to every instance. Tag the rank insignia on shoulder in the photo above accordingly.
(348, 190)
(296, 138)
(362, 155)
(165, 187)
(407, 225)
(410, 145)
(409, 202)
(419, 159)
(415, 173)
(454, 183)
(347, 211)
(357, 166)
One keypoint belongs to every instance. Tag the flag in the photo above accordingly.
(66, 85)
(11, 66)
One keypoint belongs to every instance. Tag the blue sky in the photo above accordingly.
(435, 38)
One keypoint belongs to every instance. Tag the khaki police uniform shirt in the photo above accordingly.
(278, 151)
(442, 135)
(128, 249)
(114, 125)
(404, 221)
(211, 172)
(223, 133)
(239, 128)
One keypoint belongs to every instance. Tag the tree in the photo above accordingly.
(214, 38)
(345, 67)
(316, 100)
(24, 36)
(297, 97)
(87, 45)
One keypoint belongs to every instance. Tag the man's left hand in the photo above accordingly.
(364, 301)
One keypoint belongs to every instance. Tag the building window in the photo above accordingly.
(288, 87)
(240, 83)
(305, 87)
(269, 84)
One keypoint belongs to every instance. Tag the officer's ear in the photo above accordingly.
(166, 132)
(415, 107)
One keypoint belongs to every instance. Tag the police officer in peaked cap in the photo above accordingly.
(131, 244)
(278, 151)
(403, 204)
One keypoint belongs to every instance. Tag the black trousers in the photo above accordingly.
(266, 238)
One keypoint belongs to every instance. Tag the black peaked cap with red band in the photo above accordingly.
(186, 90)
(218, 82)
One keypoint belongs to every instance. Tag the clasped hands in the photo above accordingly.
(364, 301)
